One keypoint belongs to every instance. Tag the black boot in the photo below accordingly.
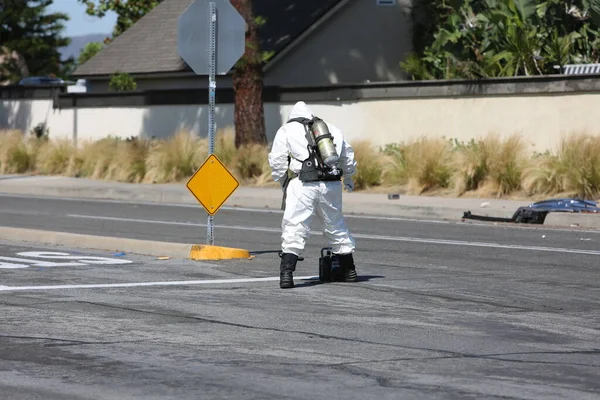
(348, 268)
(287, 268)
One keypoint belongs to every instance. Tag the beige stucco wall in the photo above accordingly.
(363, 41)
(541, 119)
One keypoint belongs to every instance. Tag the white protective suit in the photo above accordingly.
(306, 198)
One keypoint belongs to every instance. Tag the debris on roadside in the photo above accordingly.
(536, 213)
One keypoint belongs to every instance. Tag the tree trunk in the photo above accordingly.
(248, 84)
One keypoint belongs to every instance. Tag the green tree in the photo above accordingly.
(128, 11)
(89, 51)
(30, 37)
(122, 82)
(471, 39)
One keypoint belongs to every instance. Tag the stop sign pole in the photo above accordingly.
(212, 89)
(199, 27)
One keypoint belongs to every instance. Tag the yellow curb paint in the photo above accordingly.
(206, 252)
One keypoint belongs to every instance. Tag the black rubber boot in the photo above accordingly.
(347, 265)
(287, 268)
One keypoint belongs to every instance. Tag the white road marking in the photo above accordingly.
(147, 221)
(358, 236)
(145, 284)
(428, 221)
(228, 208)
(53, 255)
(78, 260)
(26, 212)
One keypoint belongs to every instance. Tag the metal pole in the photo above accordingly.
(212, 86)
(75, 126)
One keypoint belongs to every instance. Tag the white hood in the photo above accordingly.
(301, 110)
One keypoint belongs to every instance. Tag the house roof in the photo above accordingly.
(150, 45)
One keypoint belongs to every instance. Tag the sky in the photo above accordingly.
(81, 23)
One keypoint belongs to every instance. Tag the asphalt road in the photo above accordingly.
(442, 311)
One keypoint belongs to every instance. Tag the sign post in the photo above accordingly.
(211, 38)
(212, 88)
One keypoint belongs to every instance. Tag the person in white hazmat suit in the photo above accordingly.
(307, 191)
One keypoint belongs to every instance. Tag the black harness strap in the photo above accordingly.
(311, 167)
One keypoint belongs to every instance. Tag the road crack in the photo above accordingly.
(65, 342)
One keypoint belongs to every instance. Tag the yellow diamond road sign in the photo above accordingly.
(212, 184)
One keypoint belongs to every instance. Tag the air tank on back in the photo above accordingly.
(324, 142)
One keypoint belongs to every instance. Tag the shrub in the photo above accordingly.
(97, 157)
(575, 168)
(58, 157)
(225, 146)
(16, 154)
(545, 175)
(174, 159)
(394, 165)
(490, 164)
(369, 166)
(121, 82)
(128, 164)
(472, 163)
(251, 162)
(40, 131)
(131, 157)
(425, 164)
(508, 165)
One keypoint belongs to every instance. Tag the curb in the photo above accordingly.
(143, 194)
(135, 246)
(573, 220)
(206, 252)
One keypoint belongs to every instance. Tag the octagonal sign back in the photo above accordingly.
(193, 36)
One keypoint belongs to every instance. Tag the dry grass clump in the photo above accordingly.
(472, 163)
(491, 165)
(97, 157)
(225, 146)
(574, 169)
(129, 161)
(250, 164)
(424, 164)
(17, 155)
(115, 159)
(394, 165)
(544, 175)
(508, 166)
(58, 157)
(176, 158)
(369, 165)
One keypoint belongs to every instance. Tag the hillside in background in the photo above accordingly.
(79, 42)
